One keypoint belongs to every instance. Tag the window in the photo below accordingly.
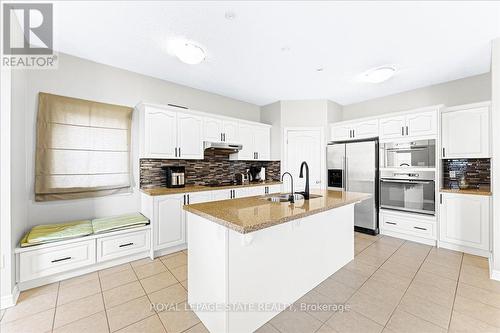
(82, 149)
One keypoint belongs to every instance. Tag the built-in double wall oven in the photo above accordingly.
(405, 183)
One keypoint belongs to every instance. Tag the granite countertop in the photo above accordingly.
(475, 191)
(250, 214)
(200, 188)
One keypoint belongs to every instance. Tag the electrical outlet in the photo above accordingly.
(453, 174)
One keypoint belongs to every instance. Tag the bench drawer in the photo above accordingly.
(56, 259)
(122, 245)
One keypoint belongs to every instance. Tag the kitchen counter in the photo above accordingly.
(200, 188)
(468, 191)
(250, 214)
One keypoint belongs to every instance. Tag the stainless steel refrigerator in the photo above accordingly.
(353, 166)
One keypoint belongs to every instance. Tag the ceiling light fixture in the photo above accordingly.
(188, 52)
(379, 74)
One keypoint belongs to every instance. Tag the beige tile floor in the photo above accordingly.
(391, 286)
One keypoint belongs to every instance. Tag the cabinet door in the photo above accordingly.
(199, 197)
(242, 192)
(190, 140)
(212, 129)
(464, 220)
(246, 136)
(366, 129)
(169, 229)
(160, 133)
(230, 131)
(420, 124)
(393, 127)
(340, 132)
(465, 133)
(262, 141)
(221, 195)
(274, 189)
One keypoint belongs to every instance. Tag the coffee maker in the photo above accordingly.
(175, 176)
(255, 173)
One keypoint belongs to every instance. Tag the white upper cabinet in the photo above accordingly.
(168, 132)
(212, 129)
(416, 124)
(189, 134)
(160, 133)
(466, 132)
(354, 130)
(256, 142)
(230, 131)
(393, 127)
(421, 124)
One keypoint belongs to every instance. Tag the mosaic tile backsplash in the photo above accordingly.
(216, 166)
(477, 172)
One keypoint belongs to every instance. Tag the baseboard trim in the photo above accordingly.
(412, 238)
(9, 300)
(465, 249)
(494, 274)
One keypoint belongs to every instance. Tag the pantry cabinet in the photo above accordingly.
(466, 131)
(410, 125)
(354, 130)
(465, 221)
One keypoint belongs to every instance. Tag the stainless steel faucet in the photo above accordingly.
(290, 198)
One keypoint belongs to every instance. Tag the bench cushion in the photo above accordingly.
(47, 233)
(119, 222)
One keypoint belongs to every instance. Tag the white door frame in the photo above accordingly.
(322, 148)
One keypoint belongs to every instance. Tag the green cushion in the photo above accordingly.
(46, 233)
(119, 222)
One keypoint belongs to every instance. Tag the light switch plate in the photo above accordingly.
(453, 174)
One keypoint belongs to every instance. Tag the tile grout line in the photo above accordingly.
(456, 290)
(406, 290)
(103, 303)
(55, 308)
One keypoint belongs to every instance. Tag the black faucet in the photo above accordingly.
(290, 197)
(301, 175)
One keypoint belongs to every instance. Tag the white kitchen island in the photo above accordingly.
(249, 258)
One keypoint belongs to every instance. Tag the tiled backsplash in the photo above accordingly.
(477, 172)
(215, 167)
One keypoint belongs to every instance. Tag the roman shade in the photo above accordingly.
(82, 148)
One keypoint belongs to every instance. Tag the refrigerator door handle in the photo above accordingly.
(345, 171)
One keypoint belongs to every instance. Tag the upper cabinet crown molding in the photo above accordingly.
(465, 131)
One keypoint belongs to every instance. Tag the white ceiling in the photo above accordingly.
(431, 42)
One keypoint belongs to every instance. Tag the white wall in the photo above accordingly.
(81, 78)
(271, 114)
(467, 90)
(495, 125)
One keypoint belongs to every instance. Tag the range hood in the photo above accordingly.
(222, 146)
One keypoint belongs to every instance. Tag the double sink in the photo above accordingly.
(286, 197)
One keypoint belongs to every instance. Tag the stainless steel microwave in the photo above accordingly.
(409, 154)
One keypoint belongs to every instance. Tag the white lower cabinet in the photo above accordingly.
(465, 222)
(415, 227)
(117, 246)
(168, 221)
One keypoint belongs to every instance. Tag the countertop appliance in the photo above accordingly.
(409, 190)
(255, 173)
(408, 154)
(242, 178)
(175, 176)
(353, 166)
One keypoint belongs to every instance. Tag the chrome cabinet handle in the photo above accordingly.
(124, 245)
(419, 228)
(391, 223)
(62, 259)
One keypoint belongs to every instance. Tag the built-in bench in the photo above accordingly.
(58, 260)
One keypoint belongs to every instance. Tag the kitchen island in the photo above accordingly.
(249, 258)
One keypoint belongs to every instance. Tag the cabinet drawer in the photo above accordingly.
(411, 225)
(122, 245)
(57, 259)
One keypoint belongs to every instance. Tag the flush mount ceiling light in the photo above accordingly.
(379, 74)
(188, 52)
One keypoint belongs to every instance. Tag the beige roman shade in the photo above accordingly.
(82, 148)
